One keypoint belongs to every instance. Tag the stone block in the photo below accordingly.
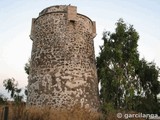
(32, 29)
(94, 29)
(72, 13)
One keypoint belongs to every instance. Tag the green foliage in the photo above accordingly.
(115, 64)
(3, 99)
(108, 108)
(27, 70)
(27, 67)
(148, 75)
(124, 78)
(26, 91)
(11, 86)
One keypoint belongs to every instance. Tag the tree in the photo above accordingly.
(148, 74)
(11, 85)
(27, 70)
(120, 71)
(3, 99)
(115, 65)
(27, 67)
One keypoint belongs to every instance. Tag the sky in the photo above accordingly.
(15, 27)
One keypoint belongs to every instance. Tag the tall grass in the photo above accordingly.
(20, 112)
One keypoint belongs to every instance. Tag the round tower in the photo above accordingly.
(63, 70)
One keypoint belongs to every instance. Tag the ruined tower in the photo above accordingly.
(63, 70)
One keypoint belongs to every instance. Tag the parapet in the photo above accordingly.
(71, 15)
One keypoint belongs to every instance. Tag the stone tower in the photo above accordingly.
(63, 70)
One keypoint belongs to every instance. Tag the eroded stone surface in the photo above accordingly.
(63, 71)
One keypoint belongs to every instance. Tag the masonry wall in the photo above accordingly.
(63, 71)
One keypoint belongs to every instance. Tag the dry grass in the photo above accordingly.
(33, 113)
(20, 112)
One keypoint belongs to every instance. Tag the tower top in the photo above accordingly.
(58, 9)
(69, 9)
(70, 14)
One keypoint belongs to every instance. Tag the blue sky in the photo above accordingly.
(15, 26)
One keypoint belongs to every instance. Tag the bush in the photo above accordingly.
(3, 99)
